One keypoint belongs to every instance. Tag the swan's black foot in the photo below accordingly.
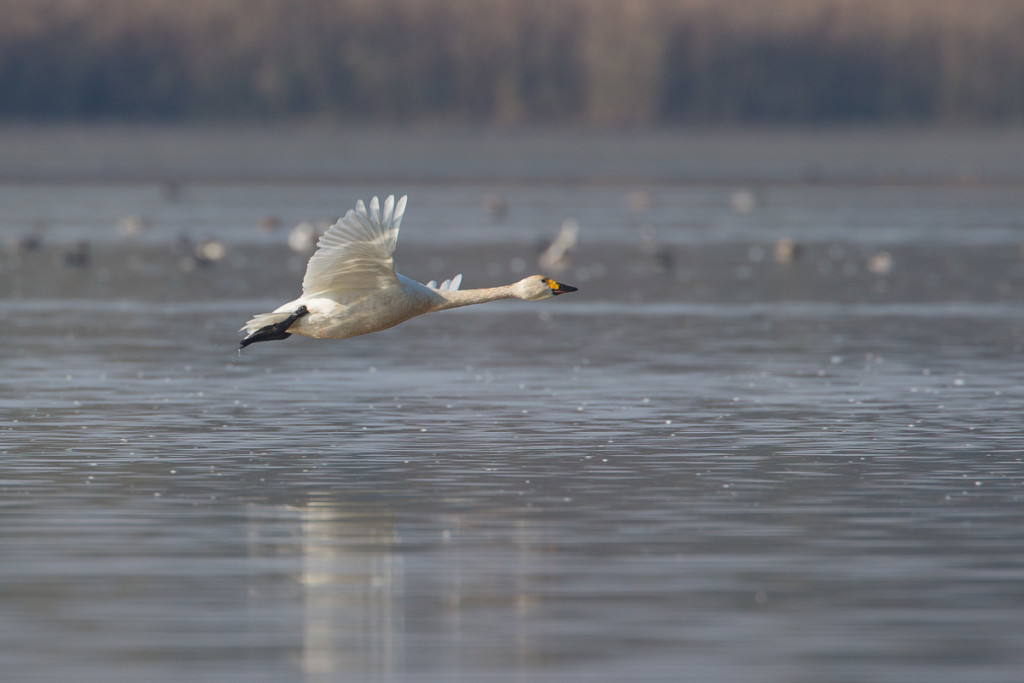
(275, 331)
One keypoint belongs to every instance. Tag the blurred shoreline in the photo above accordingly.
(571, 62)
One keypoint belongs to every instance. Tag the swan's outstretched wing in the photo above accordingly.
(355, 255)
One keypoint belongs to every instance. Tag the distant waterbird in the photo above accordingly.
(32, 240)
(880, 263)
(132, 225)
(351, 288)
(302, 239)
(786, 251)
(270, 223)
(495, 205)
(79, 256)
(204, 253)
(556, 256)
(743, 201)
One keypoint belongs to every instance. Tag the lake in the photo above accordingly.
(776, 435)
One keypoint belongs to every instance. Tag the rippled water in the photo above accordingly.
(706, 465)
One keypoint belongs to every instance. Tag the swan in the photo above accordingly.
(351, 287)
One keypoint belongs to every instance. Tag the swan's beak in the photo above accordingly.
(558, 287)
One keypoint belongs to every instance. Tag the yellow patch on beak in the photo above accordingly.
(558, 287)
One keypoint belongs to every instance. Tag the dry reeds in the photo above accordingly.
(634, 62)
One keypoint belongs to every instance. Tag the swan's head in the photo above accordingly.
(537, 287)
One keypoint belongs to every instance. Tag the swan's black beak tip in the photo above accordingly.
(558, 287)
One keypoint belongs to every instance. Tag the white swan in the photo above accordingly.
(351, 287)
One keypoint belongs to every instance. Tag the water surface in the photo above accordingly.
(707, 464)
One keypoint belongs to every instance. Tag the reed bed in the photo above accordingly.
(607, 62)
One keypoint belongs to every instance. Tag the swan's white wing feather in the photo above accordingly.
(447, 285)
(355, 255)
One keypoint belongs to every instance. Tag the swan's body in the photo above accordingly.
(351, 287)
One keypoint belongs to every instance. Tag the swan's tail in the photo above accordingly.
(270, 326)
(447, 285)
(262, 320)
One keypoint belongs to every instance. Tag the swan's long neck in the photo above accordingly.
(468, 297)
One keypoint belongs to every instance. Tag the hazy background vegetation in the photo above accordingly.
(619, 62)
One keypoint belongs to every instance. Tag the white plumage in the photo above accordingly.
(351, 287)
(447, 285)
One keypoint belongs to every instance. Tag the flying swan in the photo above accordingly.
(351, 287)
